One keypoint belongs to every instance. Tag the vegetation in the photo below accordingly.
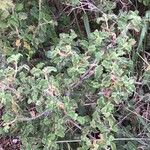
(74, 74)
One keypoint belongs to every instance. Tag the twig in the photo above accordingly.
(45, 113)
(16, 69)
(138, 114)
(68, 141)
(77, 22)
(86, 75)
(132, 139)
(79, 127)
(116, 139)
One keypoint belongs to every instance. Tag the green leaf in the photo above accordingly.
(99, 56)
(107, 109)
(73, 115)
(98, 72)
(113, 146)
(81, 120)
(19, 6)
(22, 16)
(14, 21)
(3, 25)
(75, 2)
(49, 69)
(92, 48)
(130, 146)
(59, 131)
(14, 58)
(51, 136)
(36, 72)
(86, 24)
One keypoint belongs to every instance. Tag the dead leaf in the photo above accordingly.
(18, 43)
(27, 46)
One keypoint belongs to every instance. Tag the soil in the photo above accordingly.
(8, 143)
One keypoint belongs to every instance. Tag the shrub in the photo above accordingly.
(74, 95)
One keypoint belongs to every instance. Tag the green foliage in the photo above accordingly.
(30, 25)
(78, 88)
(145, 2)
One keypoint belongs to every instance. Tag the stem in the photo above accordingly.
(77, 22)
(116, 139)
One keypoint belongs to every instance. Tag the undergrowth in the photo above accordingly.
(75, 74)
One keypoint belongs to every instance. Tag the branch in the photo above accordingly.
(85, 76)
(44, 113)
